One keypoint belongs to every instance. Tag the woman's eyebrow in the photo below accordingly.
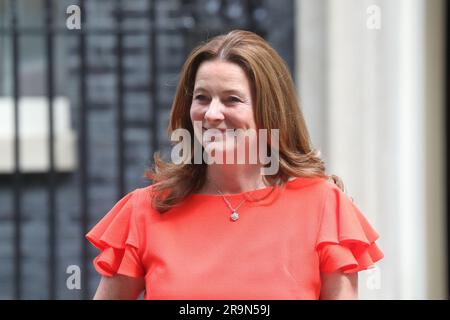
(234, 91)
(199, 89)
(229, 91)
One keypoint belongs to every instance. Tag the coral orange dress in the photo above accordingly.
(275, 250)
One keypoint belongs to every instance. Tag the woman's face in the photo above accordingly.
(222, 99)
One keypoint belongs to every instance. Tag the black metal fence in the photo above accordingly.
(193, 30)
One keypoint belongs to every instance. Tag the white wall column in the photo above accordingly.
(373, 99)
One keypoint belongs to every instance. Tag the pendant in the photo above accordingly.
(234, 216)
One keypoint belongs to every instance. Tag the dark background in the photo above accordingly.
(120, 73)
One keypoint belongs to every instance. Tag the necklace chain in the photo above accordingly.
(234, 216)
(229, 204)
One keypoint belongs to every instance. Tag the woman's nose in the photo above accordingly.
(214, 112)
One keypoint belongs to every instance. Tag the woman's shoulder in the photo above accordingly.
(316, 190)
(141, 199)
(144, 193)
(316, 184)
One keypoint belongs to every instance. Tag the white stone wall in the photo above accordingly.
(371, 97)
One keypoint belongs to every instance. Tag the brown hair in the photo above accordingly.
(275, 107)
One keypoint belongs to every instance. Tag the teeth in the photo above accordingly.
(221, 129)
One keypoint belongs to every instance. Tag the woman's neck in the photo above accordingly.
(231, 179)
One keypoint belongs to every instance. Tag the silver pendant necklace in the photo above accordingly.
(234, 214)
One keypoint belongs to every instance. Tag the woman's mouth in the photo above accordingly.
(214, 134)
(220, 129)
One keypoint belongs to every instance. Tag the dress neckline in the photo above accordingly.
(295, 182)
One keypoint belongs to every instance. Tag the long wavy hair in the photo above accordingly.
(275, 107)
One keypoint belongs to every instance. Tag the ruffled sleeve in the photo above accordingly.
(116, 236)
(346, 240)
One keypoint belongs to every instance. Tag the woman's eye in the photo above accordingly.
(234, 99)
(200, 98)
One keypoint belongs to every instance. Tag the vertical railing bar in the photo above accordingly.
(249, 9)
(17, 185)
(51, 184)
(154, 138)
(446, 112)
(83, 156)
(252, 25)
(120, 102)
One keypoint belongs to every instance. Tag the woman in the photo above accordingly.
(213, 230)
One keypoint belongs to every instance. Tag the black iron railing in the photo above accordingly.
(49, 30)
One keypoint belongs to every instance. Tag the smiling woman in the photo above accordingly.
(238, 62)
(296, 235)
(223, 100)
